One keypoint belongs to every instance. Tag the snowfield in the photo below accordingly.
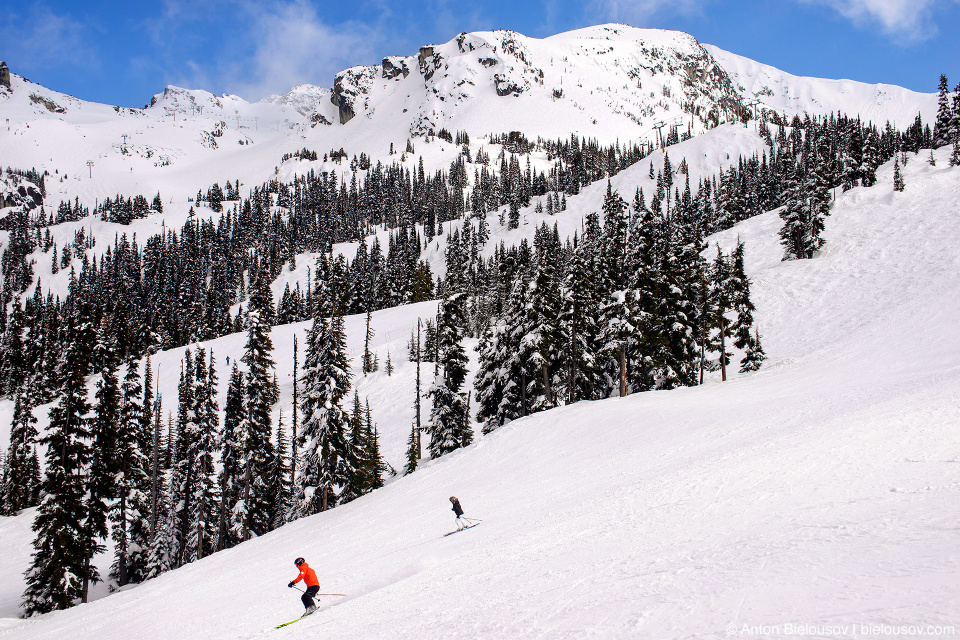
(818, 495)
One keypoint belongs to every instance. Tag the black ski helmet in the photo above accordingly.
(453, 499)
(299, 561)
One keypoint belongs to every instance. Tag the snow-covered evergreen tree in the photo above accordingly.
(20, 488)
(130, 515)
(718, 321)
(955, 128)
(157, 551)
(63, 544)
(184, 472)
(231, 456)
(104, 463)
(898, 184)
(754, 356)
(449, 425)
(742, 305)
(280, 477)
(328, 459)
(261, 394)
(579, 314)
(205, 501)
(377, 466)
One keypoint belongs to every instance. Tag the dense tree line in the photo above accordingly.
(178, 287)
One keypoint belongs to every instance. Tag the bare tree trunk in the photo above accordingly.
(246, 501)
(623, 371)
(293, 438)
(703, 356)
(155, 475)
(122, 550)
(546, 385)
(574, 368)
(416, 403)
(523, 394)
(723, 349)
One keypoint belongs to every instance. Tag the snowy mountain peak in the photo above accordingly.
(608, 81)
(183, 100)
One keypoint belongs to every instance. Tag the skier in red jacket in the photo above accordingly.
(309, 577)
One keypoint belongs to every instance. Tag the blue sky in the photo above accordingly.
(124, 52)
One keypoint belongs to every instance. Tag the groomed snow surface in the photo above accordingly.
(820, 492)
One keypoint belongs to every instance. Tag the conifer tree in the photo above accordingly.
(955, 128)
(232, 456)
(360, 480)
(580, 314)
(260, 397)
(157, 552)
(130, 516)
(64, 544)
(413, 442)
(754, 356)
(720, 294)
(413, 451)
(377, 465)
(328, 458)
(184, 472)
(546, 336)
(678, 351)
(501, 379)
(367, 355)
(449, 423)
(647, 282)
(871, 160)
(280, 478)
(943, 127)
(741, 304)
(104, 464)
(205, 501)
(19, 488)
(898, 184)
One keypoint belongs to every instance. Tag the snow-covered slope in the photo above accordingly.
(877, 103)
(819, 491)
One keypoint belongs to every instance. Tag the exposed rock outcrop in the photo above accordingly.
(5, 75)
(393, 66)
(348, 86)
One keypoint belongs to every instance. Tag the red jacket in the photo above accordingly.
(308, 575)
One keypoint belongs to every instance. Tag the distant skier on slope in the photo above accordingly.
(309, 577)
(462, 522)
(457, 509)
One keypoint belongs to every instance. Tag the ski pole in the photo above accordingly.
(320, 594)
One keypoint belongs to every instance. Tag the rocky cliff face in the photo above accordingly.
(4, 76)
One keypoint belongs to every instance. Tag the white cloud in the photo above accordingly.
(294, 45)
(43, 39)
(902, 19)
(640, 13)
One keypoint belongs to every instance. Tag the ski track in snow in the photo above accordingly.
(821, 490)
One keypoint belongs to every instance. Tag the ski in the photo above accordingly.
(285, 624)
(280, 626)
(462, 529)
